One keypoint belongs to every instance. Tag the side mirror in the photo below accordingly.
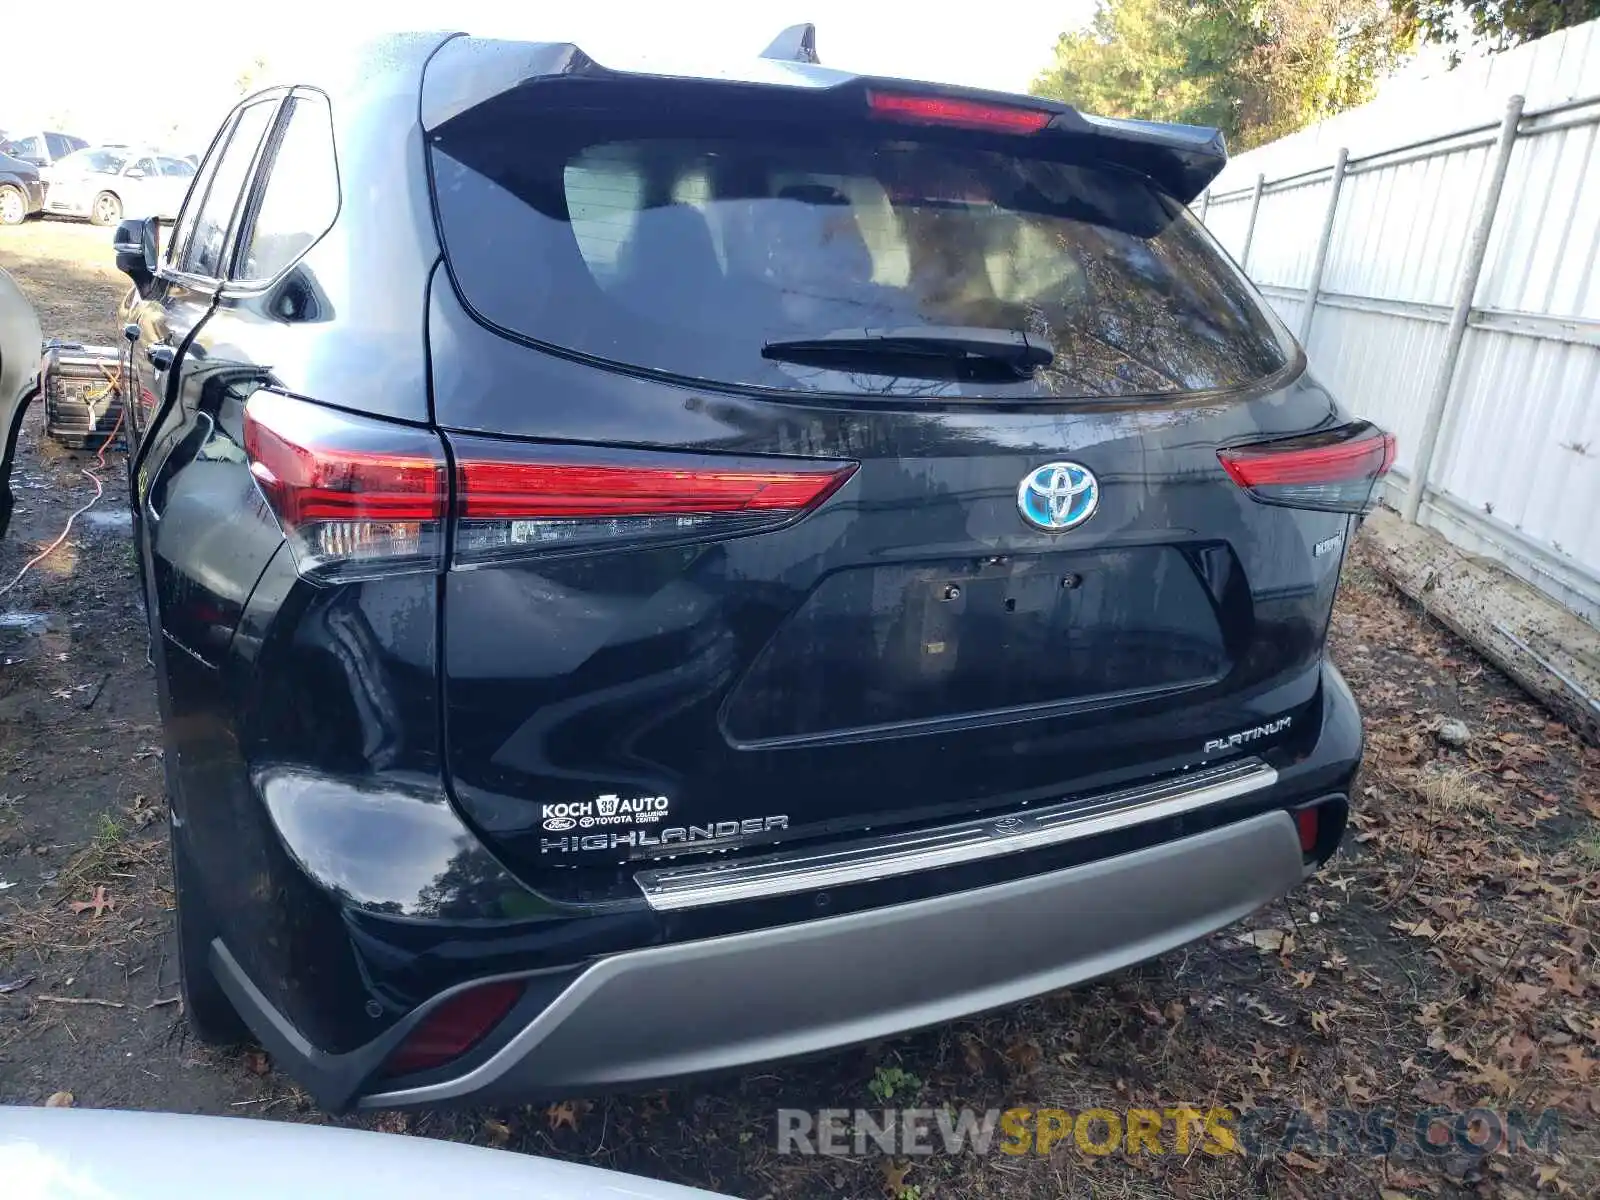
(137, 247)
(135, 173)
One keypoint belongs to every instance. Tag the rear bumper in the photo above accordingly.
(628, 995)
(655, 1014)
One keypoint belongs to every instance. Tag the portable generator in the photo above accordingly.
(83, 394)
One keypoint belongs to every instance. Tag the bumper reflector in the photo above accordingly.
(454, 1027)
(1306, 821)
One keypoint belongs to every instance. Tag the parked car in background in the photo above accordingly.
(41, 149)
(108, 183)
(653, 572)
(21, 190)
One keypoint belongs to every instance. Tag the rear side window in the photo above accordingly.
(182, 232)
(302, 194)
(28, 147)
(688, 253)
(176, 168)
(203, 254)
(101, 162)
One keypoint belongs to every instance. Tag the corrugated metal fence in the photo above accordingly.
(1461, 314)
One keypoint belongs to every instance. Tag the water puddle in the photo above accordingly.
(24, 622)
(109, 518)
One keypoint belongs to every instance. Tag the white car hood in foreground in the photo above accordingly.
(80, 1154)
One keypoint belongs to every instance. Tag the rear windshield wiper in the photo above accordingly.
(939, 351)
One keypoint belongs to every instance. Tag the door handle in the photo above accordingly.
(160, 356)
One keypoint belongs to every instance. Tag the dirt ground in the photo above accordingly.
(1447, 957)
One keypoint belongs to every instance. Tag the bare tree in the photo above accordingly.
(249, 79)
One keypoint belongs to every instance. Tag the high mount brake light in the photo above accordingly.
(515, 500)
(356, 497)
(1336, 470)
(959, 112)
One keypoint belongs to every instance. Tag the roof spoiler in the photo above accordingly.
(464, 72)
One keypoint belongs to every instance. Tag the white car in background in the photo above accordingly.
(108, 183)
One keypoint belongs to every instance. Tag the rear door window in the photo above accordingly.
(99, 162)
(28, 147)
(201, 253)
(687, 253)
(183, 230)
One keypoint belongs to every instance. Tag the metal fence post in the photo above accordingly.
(1323, 242)
(1250, 227)
(1466, 291)
(1205, 205)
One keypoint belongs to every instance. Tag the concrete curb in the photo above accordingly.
(1552, 653)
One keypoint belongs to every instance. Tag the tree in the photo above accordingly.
(251, 75)
(1256, 69)
(1493, 24)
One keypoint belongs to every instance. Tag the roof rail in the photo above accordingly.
(798, 43)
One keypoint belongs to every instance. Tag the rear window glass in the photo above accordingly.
(689, 255)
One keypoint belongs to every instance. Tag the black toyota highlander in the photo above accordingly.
(653, 570)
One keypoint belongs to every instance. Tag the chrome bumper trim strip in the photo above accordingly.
(671, 889)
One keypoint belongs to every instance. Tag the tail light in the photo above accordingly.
(356, 497)
(1334, 470)
(454, 1027)
(359, 497)
(957, 111)
(513, 500)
